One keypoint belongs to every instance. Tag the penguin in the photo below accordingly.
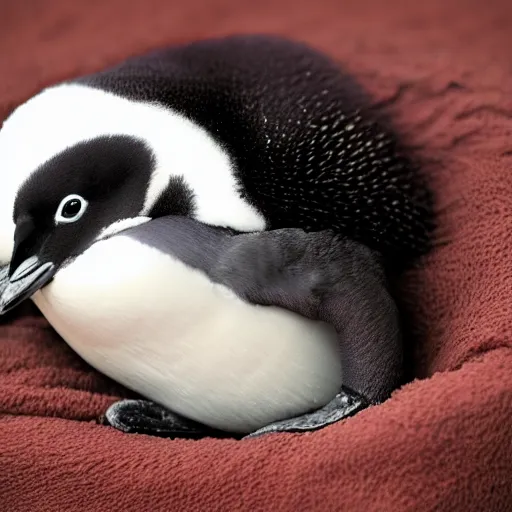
(254, 134)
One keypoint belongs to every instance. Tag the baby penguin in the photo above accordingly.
(248, 156)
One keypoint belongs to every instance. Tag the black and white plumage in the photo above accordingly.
(248, 133)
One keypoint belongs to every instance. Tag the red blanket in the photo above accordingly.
(442, 442)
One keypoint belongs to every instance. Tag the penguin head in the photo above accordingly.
(85, 193)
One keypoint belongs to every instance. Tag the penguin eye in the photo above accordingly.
(70, 209)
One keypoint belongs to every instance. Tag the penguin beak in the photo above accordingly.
(25, 275)
(27, 279)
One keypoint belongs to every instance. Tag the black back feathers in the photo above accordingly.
(307, 150)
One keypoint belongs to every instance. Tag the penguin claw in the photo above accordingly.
(145, 417)
(345, 404)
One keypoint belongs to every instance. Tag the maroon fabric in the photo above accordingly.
(442, 442)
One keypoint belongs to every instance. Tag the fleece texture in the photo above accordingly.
(442, 442)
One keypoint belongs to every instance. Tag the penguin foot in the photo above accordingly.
(145, 417)
(345, 404)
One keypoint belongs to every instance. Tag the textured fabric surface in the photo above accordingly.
(442, 442)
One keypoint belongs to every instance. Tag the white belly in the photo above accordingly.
(166, 331)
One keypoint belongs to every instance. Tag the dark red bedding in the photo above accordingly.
(442, 442)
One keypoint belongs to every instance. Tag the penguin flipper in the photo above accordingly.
(150, 418)
(328, 278)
